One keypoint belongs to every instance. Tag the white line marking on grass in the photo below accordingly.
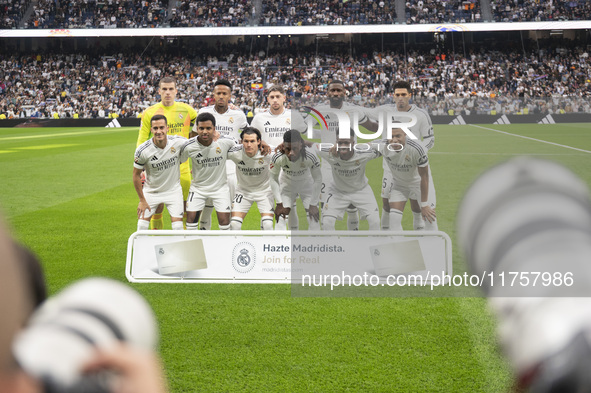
(532, 139)
(14, 138)
(500, 154)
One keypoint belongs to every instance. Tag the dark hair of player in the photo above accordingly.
(205, 117)
(223, 82)
(336, 82)
(276, 88)
(250, 131)
(294, 136)
(167, 79)
(158, 117)
(402, 85)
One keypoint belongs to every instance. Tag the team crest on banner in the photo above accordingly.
(243, 257)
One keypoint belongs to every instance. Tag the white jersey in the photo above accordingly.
(228, 124)
(272, 127)
(404, 163)
(423, 129)
(252, 172)
(302, 173)
(162, 166)
(330, 134)
(208, 162)
(348, 175)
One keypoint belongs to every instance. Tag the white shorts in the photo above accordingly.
(172, 199)
(337, 202)
(291, 192)
(327, 181)
(388, 186)
(387, 182)
(399, 193)
(220, 199)
(244, 200)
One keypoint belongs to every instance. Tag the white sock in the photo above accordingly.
(192, 226)
(205, 218)
(418, 222)
(267, 223)
(224, 227)
(281, 224)
(374, 222)
(328, 223)
(395, 220)
(313, 225)
(177, 225)
(294, 220)
(352, 219)
(143, 225)
(385, 220)
(235, 223)
(431, 226)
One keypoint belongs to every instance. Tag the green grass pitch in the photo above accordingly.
(68, 195)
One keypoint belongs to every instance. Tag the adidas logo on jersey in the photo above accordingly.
(268, 123)
(154, 158)
(199, 155)
(241, 163)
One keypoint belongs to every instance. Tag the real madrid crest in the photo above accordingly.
(288, 121)
(243, 257)
(261, 161)
(231, 120)
(407, 158)
(218, 150)
(180, 115)
(172, 150)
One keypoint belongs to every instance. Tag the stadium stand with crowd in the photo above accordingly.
(223, 13)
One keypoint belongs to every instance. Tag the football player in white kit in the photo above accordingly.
(423, 130)
(336, 95)
(301, 177)
(209, 181)
(274, 123)
(409, 167)
(349, 185)
(277, 120)
(252, 172)
(160, 157)
(229, 123)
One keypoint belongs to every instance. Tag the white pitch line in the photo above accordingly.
(14, 138)
(499, 154)
(532, 139)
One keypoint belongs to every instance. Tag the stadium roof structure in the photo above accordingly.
(295, 30)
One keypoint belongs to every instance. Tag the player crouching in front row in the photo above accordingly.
(252, 162)
(160, 158)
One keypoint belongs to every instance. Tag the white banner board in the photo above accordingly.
(284, 257)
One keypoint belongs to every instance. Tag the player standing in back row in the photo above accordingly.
(228, 123)
(273, 124)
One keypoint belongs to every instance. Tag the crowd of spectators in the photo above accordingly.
(536, 10)
(98, 84)
(50, 14)
(224, 13)
(11, 12)
(435, 11)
